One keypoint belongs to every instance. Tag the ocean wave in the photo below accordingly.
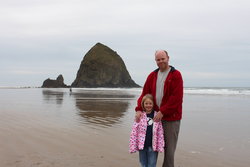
(187, 90)
(218, 91)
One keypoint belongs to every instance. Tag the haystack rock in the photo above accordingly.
(103, 67)
(58, 83)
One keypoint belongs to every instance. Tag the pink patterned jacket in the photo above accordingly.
(138, 134)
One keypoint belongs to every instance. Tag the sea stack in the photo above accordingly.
(58, 83)
(103, 67)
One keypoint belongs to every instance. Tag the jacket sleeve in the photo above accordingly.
(175, 96)
(133, 141)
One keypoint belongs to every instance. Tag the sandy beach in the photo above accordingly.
(90, 128)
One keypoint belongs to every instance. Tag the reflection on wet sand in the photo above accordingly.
(101, 112)
(95, 107)
(117, 94)
(50, 95)
(102, 108)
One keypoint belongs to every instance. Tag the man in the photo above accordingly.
(166, 86)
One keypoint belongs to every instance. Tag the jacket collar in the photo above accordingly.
(171, 70)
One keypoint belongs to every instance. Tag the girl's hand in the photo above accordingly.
(158, 116)
(138, 116)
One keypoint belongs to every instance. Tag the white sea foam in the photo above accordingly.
(187, 90)
(218, 91)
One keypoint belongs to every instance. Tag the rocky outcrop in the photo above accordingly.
(102, 67)
(58, 83)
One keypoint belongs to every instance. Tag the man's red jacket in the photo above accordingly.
(171, 105)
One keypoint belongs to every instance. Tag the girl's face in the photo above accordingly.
(148, 105)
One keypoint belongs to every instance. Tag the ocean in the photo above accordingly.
(91, 127)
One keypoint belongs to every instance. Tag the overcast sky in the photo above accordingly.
(208, 41)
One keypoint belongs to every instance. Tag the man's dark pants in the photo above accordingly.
(171, 131)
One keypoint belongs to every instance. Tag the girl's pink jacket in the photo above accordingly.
(138, 134)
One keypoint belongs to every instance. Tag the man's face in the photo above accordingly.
(162, 61)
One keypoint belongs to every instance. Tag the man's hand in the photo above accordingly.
(138, 116)
(158, 116)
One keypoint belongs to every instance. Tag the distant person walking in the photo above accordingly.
(166, 86)
(147, 135)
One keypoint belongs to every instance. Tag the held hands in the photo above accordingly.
(158, 116)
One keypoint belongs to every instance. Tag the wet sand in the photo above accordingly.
(56, 146)
(90, 128)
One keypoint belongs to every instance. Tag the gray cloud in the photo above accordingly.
(207, 40)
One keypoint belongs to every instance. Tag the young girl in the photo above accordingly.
(147, 135)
